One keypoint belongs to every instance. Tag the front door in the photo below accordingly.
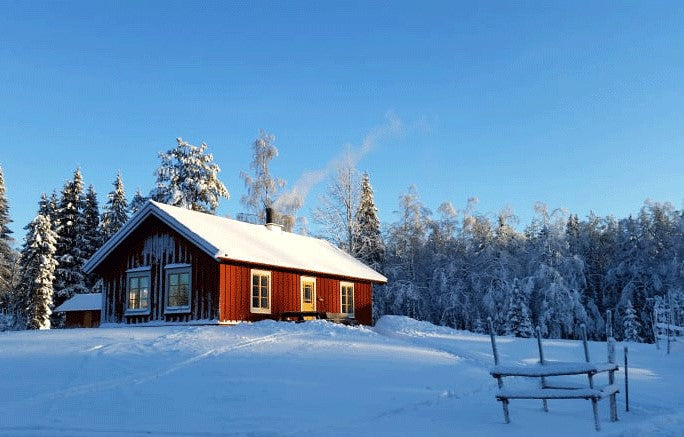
(308, 294)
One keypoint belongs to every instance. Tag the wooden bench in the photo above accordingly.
(302, 316)
(545, 369)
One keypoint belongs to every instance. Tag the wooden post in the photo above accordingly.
(594, 405)
(611, 359)
(499, 380)
(626, 382)
(655, 328)
(541, 361)
(669, 324)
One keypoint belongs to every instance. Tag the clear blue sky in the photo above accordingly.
(579, 105)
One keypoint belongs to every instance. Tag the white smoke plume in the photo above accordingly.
(293, 199)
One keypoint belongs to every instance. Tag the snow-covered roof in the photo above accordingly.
(226, 239)
(82, 302)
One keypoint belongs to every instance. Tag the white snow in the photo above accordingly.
(402, 377)
(223, 238)
(81, 302)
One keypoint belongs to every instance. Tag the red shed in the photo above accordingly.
(82, 310)
(177, 265)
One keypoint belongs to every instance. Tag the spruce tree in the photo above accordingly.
(368, 246)
(138, 201)
(116, 211)
(188, 178)
(71, 228)
(518, 318)
(91, 240)
(7, 254)
(48, 207)
(631, 324)
(38, 262)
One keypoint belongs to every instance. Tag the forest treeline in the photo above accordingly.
(453, 267)
(561, 271)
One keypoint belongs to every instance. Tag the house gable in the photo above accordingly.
(152, 250)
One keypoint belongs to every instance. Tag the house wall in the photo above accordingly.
(235, 293)
(155, 244)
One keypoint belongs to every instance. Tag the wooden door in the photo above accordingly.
(87, 319)
(308, 293)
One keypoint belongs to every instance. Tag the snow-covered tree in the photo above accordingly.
(188, 178)
(7, 254)
(115, 213)
(71, 228)
(262, 188)
(91, 239)
(369, 246)
(138, 201)
(631, 324)
(338, 207)
(38, 265)
(518, 318)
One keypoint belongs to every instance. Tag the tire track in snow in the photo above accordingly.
(140, 379)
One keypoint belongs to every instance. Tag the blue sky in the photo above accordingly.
(575, 104)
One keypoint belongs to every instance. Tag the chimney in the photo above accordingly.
(271, 225)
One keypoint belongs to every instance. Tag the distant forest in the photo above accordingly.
(453, 268)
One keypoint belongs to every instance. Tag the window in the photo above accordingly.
(346, 298)
(177, 289)
(261, 292)
(308, 293)
(138, 287)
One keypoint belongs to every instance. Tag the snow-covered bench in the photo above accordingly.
(547, 390)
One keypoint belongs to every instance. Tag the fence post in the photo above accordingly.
(655, 328)
(541, 361)
(594, 405)
(626, 382)
(499, 379)
(611, 359)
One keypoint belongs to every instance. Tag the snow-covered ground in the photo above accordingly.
(401, 377)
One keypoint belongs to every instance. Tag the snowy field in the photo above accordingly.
(402, 377)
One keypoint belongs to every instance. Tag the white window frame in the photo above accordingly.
(302, 280)
(348, 284)
(138, 272)
(177, 269)
(259, 310)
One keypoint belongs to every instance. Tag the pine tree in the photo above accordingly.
(138, 201)
(70, 255)
(7, 254)
(369, 247)
(38, 262)
(91, 239)
(518, 319)
(188, 178)
(116, 211)
(631, 324)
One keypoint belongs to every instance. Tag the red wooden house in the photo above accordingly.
(177, 265)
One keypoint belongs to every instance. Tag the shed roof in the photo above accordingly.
(226, 239)
(82, 302)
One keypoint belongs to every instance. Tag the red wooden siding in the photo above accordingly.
(155, 245)
(235, 280)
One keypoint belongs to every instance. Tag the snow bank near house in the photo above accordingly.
(402, 377)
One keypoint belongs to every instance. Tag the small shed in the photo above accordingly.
(82, 310)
